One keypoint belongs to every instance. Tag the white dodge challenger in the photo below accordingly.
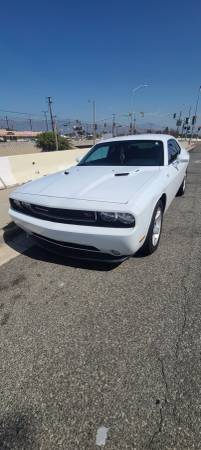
(110, 204)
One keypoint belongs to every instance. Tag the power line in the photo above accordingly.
(19, 112)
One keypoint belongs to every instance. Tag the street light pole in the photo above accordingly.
(134, 90)
(178, 122)
(196, 108)
(187, 125)
(30, 122)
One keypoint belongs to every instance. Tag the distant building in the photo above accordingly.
(10, 135)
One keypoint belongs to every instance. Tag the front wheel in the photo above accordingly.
(182, 188)
(154, 233)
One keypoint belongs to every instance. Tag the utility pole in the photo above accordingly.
(50, 110)
(46, 122)
(30, 122)
(94, 121)
(134, 124)
(53, 122)
(195, 114)
(113, 126)
(130, 115)
(7, 123)
(55, 132)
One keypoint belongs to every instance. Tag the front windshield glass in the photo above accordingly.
(125, 153)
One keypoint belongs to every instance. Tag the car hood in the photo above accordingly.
(104, 184)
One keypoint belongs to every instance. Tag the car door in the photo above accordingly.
(174, 170)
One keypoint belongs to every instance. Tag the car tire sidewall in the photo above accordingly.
(183, 185)
(182, 188)
(148, 247)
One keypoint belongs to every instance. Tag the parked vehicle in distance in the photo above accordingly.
(110, 204)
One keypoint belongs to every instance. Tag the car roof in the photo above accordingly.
(143, 137)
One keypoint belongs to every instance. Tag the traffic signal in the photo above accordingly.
(174, 116)
(186, 120)
(193, 120)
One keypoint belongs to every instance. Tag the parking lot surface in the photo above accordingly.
(84, 347)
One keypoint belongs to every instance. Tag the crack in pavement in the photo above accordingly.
(163, 404)
(184, 283)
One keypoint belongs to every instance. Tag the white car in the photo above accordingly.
(110, 204)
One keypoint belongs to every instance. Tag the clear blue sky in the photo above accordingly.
(76, 50)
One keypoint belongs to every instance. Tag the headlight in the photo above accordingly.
(117, 219)
(15, 203)
(108, 216)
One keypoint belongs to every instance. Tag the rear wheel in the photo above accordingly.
(182, 188)
(154, 233)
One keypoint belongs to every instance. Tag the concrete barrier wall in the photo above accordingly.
(185, 144)
(21, 168)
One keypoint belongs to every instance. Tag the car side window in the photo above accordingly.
(173, 150)
(177, 146)
(99, 154)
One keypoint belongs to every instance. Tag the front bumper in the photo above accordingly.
(118, 242)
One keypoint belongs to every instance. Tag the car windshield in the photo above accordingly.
(125, 153)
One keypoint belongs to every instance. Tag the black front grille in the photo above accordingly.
(71, 216)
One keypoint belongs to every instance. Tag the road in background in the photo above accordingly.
(84, 347)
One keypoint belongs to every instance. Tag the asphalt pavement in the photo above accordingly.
(94, 357)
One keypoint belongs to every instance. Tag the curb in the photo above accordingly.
(9, 232)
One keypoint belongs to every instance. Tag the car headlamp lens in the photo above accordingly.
(16, 203)
(117, 218)
(108, 216)
(126, 218)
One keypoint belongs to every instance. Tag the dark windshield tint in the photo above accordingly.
(125, 153)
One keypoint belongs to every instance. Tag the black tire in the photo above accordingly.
(182, 188)
(149, 247)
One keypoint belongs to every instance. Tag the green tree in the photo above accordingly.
(46, 141)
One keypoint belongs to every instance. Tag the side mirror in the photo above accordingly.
(182, 159)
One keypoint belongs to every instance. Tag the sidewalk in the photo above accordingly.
(7, 226)
(4, 205)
